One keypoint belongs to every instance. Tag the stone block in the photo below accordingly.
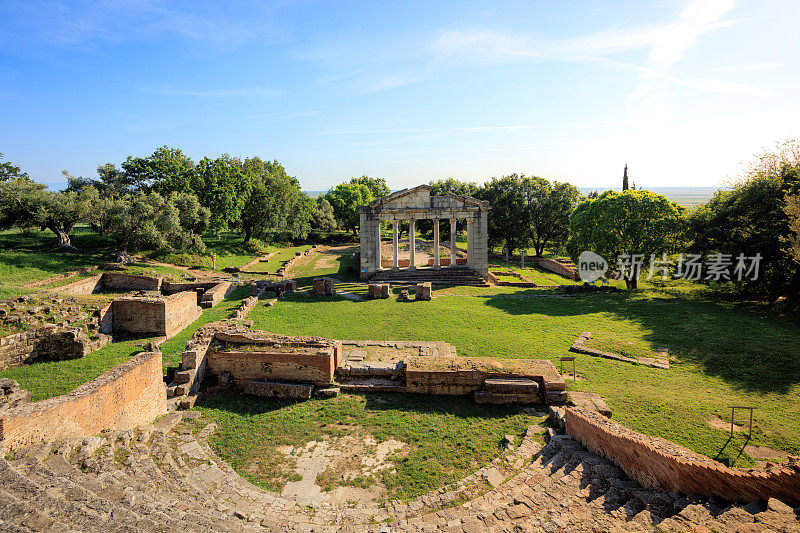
(423, 291)
(378, 290)
(511, 386)
(324, 286)
(185, 376)
(275, 389)
(497, 398)
(556, 397)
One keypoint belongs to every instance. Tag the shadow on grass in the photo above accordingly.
(453, 406)
(746, 350)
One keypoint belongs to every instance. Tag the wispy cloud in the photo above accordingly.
(666, 44)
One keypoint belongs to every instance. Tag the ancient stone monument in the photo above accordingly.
(418, 204)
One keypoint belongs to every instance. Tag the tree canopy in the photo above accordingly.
(345, 199)
(624, 224)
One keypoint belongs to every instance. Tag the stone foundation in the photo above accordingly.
(378, 290)
(216, 294)
(423, 291)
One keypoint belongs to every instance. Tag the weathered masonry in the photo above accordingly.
(418, 204)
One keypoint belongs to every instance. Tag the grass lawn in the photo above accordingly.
(48, 379)
(723, 364)
(32, 256)
(278, 259)
(229, 248)
(324, 261)
(446, 438)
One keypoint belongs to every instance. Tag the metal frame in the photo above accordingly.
(733, 411)
(561, 367)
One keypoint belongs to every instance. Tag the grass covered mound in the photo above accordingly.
(443, 438)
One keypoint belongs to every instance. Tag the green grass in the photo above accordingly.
(446, 438)
(229, 248)
(333, 263)
(173, 348)
(48, 379)
(280, 257)
(32, 256)
(731, 355)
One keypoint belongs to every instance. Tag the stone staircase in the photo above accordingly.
(164, 477)
(460, 275)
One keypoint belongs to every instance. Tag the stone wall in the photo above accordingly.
(130, 282)
(566, 270)
(47, 343)
(171, 287)
(663, 465)
(264, 356)
(216, 294)
(82, 286)
(126, 396)
(156, 316)
(464, 375)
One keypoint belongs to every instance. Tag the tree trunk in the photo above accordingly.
(632, 283)
(508, 252)
(64, 241)
(248, 232)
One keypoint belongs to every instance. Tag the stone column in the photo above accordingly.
(412, 229)
(395, 265)
(436, 264)
(378, 244)
(469, 241)
(453, 254)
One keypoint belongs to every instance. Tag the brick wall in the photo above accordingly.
(660, 464)
(126, 396)
(16, 349)
(312, 366)
(157, 316)
(82, 286)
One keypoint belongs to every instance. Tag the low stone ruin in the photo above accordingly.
(423, 291)
(324, 286)
(660, 359)
(378, 291)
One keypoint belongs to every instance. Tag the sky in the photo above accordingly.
(683, 91)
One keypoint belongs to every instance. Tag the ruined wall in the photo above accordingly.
(554, 266)
(82, 286)
(181, 309)
(216, 294)
(126, 396)
(660, 464)
(300, 365)
(130, 282)
(157, 316)
(47, 343)
(171, 287)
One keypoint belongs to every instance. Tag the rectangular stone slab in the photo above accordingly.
(511, 386)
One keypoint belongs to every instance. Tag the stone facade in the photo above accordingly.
(418, 204)
(663, 465)
(125, 397)
(165, 315)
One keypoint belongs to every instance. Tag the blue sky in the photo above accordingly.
(684, 91)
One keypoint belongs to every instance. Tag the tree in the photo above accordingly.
(751, 219)
(792, 211)
(9, 170)
(547, 211)
(345, 199)
(276, 204)
(224, 186)
(324, 219)
(25, 203)
(149, 220)
(165, 170)
(507, 223)
(377, 186)
(632, 222)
